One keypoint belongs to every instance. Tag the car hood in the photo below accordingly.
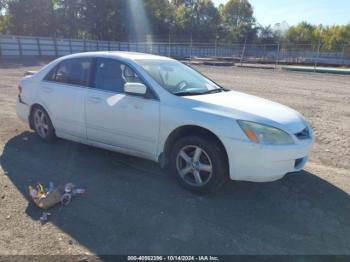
(251, 108)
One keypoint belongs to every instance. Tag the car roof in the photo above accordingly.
(119, 54)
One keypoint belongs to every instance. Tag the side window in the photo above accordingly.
(111, 75)
(74, 71)
(129, 75)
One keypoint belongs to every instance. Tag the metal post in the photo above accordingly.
(216, 47)
(278, 54)
(318, 54)
(84, 45)
(169, 46)
(55, 46)
(109, 45)
(97, 46)
(191, 48)
(19, 47)
(38, 44)
(342, 55)
(70, 46)
(243, 50)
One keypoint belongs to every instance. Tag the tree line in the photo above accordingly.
(139, 20)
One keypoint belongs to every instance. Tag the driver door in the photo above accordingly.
(118, 119)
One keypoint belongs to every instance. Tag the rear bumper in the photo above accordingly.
(23, 110)
(264, 163)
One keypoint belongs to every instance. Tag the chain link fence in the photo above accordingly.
(21, 47)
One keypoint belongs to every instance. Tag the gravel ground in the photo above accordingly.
(132, 206)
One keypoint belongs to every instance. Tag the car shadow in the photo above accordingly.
(133, 207)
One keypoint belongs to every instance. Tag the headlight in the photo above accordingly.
(264, 134)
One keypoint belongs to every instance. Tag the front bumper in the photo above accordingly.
(22, 110)
(265, 163)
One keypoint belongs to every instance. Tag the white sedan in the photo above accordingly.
(160, 109)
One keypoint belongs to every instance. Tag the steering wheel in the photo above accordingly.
(181, 85)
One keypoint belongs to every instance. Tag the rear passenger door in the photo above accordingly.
(118, 119)
(63, 93)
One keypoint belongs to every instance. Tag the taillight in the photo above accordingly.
(19, 89)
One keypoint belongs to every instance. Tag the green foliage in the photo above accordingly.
(303, 33)
(30, 17)
(332, 38)
(268, 35)
(103, 19)
(335, 37)
(66, 17)
(160, 14)
(3, 5)
(3, 18)
(198, 20)
(3, 25)
(238, 19)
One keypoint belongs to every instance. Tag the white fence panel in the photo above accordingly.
(28, 46)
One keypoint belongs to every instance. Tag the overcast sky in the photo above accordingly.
(327, 12)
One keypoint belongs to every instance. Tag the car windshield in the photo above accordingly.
(178, 78)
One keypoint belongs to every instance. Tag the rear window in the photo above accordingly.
(74, 71)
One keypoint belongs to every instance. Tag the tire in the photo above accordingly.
(199, 164)
(42, 124)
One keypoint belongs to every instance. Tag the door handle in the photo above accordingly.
(94, 99)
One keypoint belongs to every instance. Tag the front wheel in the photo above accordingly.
(199, 164)
(42, 124)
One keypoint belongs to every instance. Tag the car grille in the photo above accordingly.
(304, 134)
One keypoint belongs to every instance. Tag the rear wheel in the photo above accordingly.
(42, 124)
(198, 163)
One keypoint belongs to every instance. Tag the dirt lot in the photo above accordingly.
(132, 206)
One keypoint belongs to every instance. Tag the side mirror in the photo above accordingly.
(135, 89)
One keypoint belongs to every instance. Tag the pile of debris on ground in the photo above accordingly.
(47, 197)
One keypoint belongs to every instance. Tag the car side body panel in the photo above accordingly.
(122, 120)
(66, 106)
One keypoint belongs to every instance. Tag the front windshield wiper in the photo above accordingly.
(187, 93)
(218, 90)
(192, 93)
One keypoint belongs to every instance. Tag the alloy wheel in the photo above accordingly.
(194, 165)
(41, 123)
